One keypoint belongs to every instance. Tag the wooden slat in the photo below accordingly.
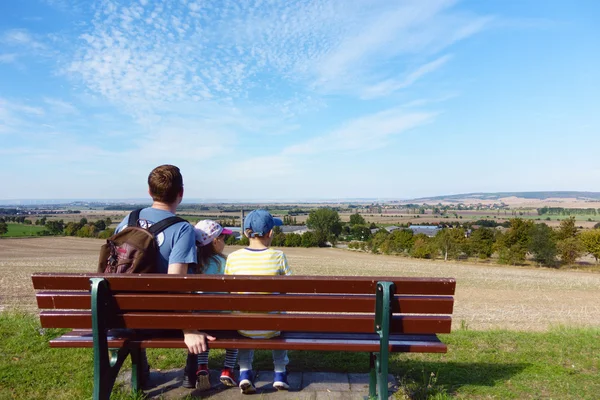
(238, 283)
(254, 302)
(287, 341)
(284, 322)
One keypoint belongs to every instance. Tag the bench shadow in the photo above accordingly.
(422, 378)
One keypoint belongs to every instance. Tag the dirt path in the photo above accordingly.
(487, 296)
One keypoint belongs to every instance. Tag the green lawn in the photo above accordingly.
(560, 364)
(22, 230)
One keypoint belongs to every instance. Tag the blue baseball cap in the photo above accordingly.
(260, 222)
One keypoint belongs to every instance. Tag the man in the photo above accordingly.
(177, 243)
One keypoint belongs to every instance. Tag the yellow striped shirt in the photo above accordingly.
(266, 262)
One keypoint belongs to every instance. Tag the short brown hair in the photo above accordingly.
(165, 183)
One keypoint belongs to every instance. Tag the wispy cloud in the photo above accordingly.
(391, 85)
(362, 134)
(21, 38)
(8, 58)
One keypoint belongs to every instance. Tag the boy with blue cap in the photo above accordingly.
(259, 259)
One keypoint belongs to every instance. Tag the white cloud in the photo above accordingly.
(21, 38)
(362, 134)
(60, 107)
(8, 58)
(391, 85)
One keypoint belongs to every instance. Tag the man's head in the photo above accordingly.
(165, 184)
(260, 223)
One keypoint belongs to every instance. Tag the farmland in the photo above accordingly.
(487, 296)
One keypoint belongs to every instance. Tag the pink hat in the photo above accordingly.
(208, 230)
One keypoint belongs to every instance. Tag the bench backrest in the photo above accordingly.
(310, 303)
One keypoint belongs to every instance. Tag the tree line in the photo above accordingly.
(523, 238)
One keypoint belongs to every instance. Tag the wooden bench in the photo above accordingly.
(378, 315)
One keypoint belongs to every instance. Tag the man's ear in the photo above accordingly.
(270, 233)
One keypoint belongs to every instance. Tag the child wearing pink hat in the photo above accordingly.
(210, 242)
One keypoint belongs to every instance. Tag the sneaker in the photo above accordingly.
(247, 382)
(280, 381)
(189, 373)
(203, 378)
(227, 378)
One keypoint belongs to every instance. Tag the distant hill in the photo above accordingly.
(523, 195)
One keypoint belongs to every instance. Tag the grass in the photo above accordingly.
(562, 363)
(22, 230)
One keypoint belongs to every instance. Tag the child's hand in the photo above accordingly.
(196, 341)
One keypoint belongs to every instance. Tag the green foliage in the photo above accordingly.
(244, 241)
(3, 228)
(399, 241)
(481, 242)
(293, 240)
(231, 240)
(309, 239)
(105, 234)
(513, 245)
(569, 250)
(357, 219)
(591, 242)
(449, 241)
(360, 232)
(55, 227)
(423, 246)
(326, 224)
(278, 239)
(543, 245)
(377, 240)
(569, 247)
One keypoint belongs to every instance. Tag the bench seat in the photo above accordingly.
(286, 341)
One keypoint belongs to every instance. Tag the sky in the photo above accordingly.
(293, 100)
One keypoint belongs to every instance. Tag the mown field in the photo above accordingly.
(22, 230)
(519, 333)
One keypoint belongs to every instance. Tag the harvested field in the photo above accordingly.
(487, 296)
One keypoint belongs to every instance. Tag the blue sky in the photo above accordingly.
(299, 99)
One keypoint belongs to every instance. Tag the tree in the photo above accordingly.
(570, 249)
(55, 227)
(567, 229)
(357, 219)
(309, 239)
(293, 240)
(591, 242)
(361, 232)
(569, 246)
(422, 247)
(3, 228)
(401, 240)
(83, 221)
(449, 241)
(543, 245)
(482, 242)
(100, 224)
(278, 239)
(514, 244)
(326, 224)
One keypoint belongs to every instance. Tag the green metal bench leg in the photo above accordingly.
(137, 369)
(383, 314)
(106, 366)
(372, 377)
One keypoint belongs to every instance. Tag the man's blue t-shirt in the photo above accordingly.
(177, 243)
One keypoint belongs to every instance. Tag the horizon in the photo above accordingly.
(310, 100)
(140, 200)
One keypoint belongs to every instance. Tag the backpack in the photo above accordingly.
(133, 250)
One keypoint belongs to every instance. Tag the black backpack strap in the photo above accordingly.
(134, 216)
(160, 226)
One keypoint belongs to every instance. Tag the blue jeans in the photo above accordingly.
(280, 359)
